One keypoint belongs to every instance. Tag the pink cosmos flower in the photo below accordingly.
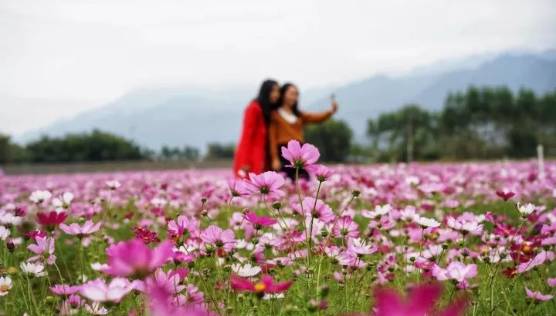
(360, 247)
(183, 225)
(215, 236)
(64, 289)
(163, 302)
(321, 172)
(346, 227)
(99, 291)
(266, 285)
(456, 271)
(420, 302)
(538, 260)
(551, 282)
(536, 295)
(89, 227)
(167, 281)
(266, 184)
(134, 258)
(43, 249)
(318, 210)
(300, 156)
(260, 221)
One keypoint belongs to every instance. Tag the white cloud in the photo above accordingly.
(81, 53)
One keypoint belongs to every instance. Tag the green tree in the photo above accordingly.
(332, 138)
(220, 151)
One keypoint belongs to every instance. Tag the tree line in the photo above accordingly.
(479, 123)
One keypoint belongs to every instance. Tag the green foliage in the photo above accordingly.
(333, 139)
(94, 146)
(481, 123)
(220, 151)
(11, 152)
(176, 153)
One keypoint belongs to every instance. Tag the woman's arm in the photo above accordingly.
(318, 117)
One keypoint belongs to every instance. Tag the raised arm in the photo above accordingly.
(318, 117)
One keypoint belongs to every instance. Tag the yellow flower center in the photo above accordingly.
(260, 287)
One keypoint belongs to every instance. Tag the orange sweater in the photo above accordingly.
(281, 131)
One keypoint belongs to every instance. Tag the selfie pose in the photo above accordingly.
(287, 122)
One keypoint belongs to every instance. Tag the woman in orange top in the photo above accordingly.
(287, 122)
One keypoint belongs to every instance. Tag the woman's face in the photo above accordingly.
(274, 94)
(290, 96)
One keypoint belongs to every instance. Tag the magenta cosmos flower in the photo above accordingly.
(51, 219)
(421, 301)
(266, 184)
(88, 228)
(300, 156)
(505, 194)
(266, 285)
(135, 259)
(259, 221)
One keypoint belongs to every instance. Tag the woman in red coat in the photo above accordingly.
(252, 151)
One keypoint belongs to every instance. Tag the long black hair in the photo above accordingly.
(283, 90)
(264, 98)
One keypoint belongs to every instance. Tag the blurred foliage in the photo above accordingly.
(480, 123)
(217, 151)
(333, 139)
(94, 146)
(175, 153)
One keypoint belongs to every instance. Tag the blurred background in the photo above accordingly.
(105, 85)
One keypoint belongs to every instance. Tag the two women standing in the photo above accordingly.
(271, 121)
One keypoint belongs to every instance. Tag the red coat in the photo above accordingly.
(251, 151)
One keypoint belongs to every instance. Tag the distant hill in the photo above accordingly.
(179, 117)
(378, 94)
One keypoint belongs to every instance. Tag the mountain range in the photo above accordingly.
(178, 117)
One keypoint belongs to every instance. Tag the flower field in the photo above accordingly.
(419, 239)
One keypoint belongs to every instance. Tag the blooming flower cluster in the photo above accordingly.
(479, 237)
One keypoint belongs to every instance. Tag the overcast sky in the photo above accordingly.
(58, 58)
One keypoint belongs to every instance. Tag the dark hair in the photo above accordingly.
(264, 98)
(283, 90)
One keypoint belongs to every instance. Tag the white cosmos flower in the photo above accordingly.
(113, 184)
(4, 233)
(273, 296)
(37, 269)
(378, 211)
(96, 308)
(5, 285)
(39, 196)
(426, 222)
(526, 209)
(9, 218)
(246, 270)
(63, 201)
